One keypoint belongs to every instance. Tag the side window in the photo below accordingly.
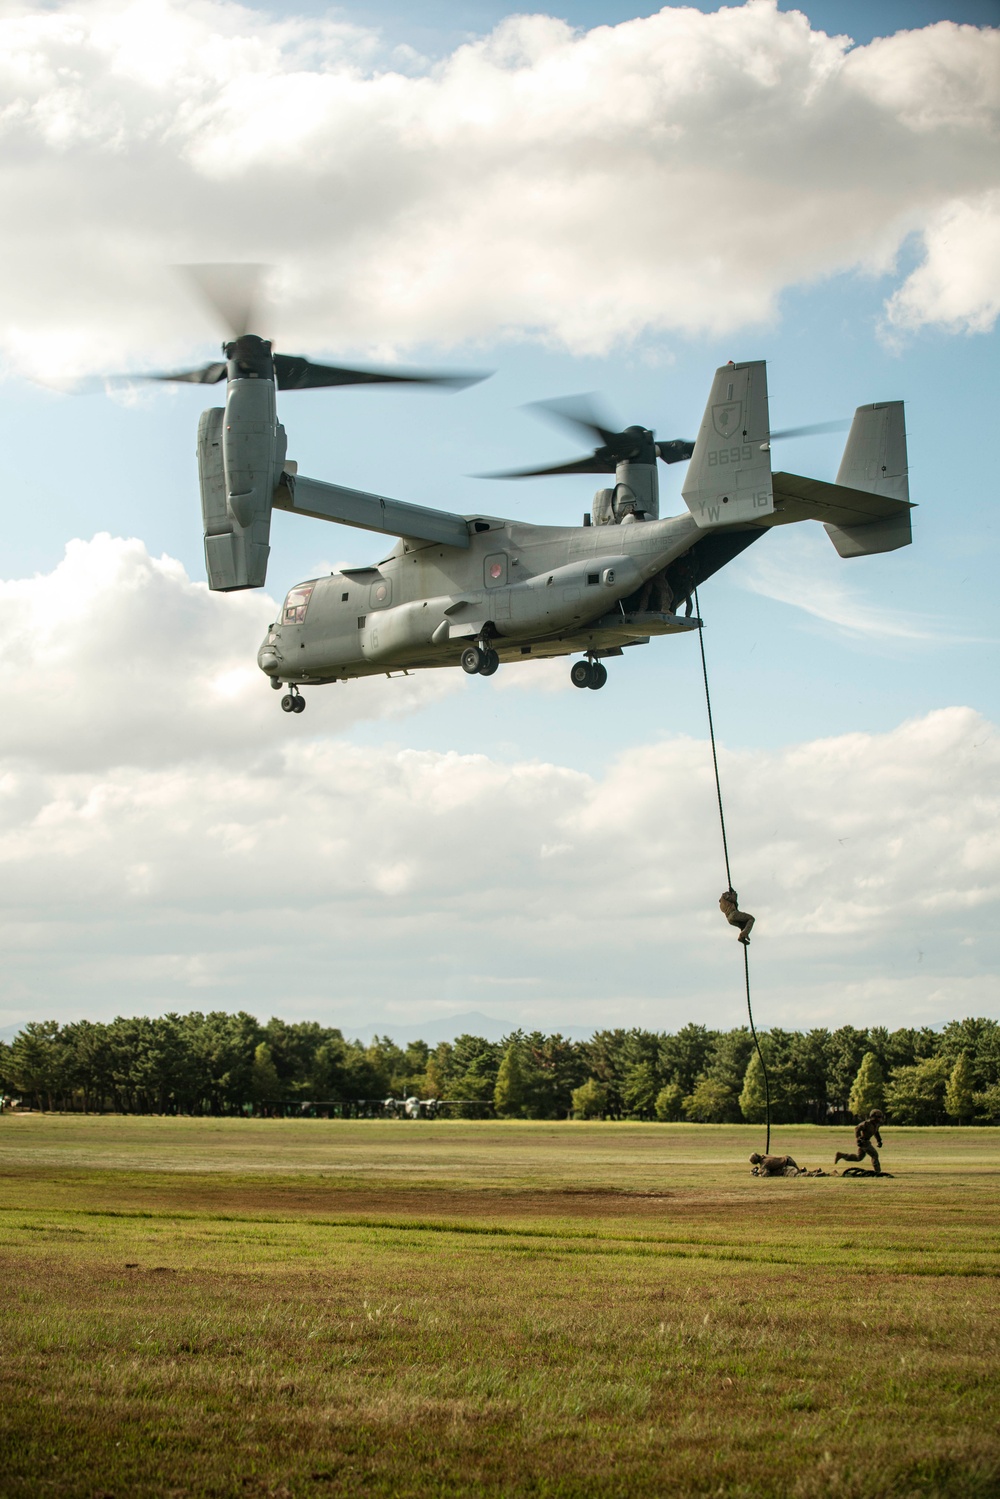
(380, 594)
(296, 604)
(495, 570)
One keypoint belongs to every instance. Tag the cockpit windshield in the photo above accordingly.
(296, 604)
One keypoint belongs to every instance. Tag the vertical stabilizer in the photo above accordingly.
(875, 461)
(729, 477)
(875, 452)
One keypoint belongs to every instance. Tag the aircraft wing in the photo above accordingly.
(369, 512)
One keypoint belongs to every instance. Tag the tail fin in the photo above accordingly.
(875, 461)
(729, 477)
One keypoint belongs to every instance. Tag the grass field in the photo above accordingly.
(252, 1308)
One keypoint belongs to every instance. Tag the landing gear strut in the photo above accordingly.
(480, 660)
(592, 674)
(293, 701)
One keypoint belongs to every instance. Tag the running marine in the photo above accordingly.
(864, 1133)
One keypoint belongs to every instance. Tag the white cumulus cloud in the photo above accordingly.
(674, 172)
(169, 839)
(118, 658)
(957, 285)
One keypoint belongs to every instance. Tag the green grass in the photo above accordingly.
(250, 1307)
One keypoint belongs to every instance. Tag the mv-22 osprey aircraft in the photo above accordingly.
(477, 590)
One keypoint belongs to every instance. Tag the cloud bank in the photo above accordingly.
(810, 577)
(673, 173)
(169, 839)
(118, 658)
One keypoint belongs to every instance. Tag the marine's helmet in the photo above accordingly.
(756, 1159)
(875, 1114)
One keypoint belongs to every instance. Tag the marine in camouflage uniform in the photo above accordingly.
(729, 906)
(773, 1165)
(864, 1133)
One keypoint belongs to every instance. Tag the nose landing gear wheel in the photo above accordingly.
(293, 702)
(598, 675)
(288, 703)
(472, 660)
(298, 705)
(490, 662)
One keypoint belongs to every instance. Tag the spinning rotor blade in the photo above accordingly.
(230, 291)
(817, 427)
(233, 292)
(295, 373)
(580, 412)
(677, 450)
(594, 465)
(209, 374)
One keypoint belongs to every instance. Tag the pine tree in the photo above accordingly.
(640, 1089)
(436, 1074)
(509, 1093)
(753, 1099)
(868, 1090)
(264, 1081)
(958, 1099)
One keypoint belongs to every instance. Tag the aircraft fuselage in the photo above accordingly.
(532, 591)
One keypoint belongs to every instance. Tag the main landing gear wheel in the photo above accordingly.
(591, 674)
(480, 660)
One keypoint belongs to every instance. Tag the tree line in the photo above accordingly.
(223, 1063)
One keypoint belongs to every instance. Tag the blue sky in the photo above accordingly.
(436, 28)
(805, 650)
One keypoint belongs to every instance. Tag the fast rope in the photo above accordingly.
(729, 879)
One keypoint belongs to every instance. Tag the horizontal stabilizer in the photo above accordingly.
(859, 522)
(369, 512)
(877, 536)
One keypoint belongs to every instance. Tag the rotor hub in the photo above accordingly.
(248, 357)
